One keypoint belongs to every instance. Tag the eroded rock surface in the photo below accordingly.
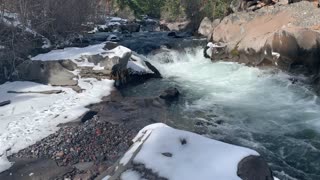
(286, 36)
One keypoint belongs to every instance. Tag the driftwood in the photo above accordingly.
(4, 103)
(36, 92)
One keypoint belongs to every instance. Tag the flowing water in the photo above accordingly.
(262, 109)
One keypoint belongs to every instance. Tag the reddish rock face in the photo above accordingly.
(282, 36)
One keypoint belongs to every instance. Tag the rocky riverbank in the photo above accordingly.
(86, 147)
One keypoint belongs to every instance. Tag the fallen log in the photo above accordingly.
(4, 103)
(36, 92)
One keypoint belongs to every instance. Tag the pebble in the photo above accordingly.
(95, 141)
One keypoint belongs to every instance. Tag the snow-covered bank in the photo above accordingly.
(31, 117)
(175, 154)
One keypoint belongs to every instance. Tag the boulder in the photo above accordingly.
(179, 34)
(170, 94)
(254, 167)
(284, 36)
(130, 27)
(33, 169)
(113, 38)
(46, 72)
(206, 28)
(149, 25)
(110, 45)
(158, 148)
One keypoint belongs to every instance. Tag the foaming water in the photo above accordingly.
(260, 109)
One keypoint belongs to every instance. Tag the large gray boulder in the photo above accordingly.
(47, 72)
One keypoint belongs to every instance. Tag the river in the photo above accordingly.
(263, 109)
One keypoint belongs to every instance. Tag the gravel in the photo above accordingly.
(94, 141)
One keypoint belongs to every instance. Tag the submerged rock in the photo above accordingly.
(170, 94)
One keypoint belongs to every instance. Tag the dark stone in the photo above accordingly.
(154, 70)
(110, 45)
(220, 122)
(172, 34)
(131, 27)
(167, 154)
(183, 141)
(164, 27)
(254, 168)
(4, 103)
(180, 34)
(170, 94)
(89, 115)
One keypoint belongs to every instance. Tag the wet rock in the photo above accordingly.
(170, 94)
(130, 27)
(149, 25)
(113, 38)
(167, 154)
(132, 111)
(206, 28)
(254, 167)
(89, 115)
(172, 34)
(110, 45)
(153, 41)
(156, 73)
(32, 169)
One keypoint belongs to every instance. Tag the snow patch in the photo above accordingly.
(73, 53)
(138, 65)
(130, 175)
(80, 55)
(4, 163)
(31, 117)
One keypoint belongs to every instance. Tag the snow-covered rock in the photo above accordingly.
(162, 152)
(92, 56)
(118, 60)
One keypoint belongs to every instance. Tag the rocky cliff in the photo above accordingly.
(283, 35)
